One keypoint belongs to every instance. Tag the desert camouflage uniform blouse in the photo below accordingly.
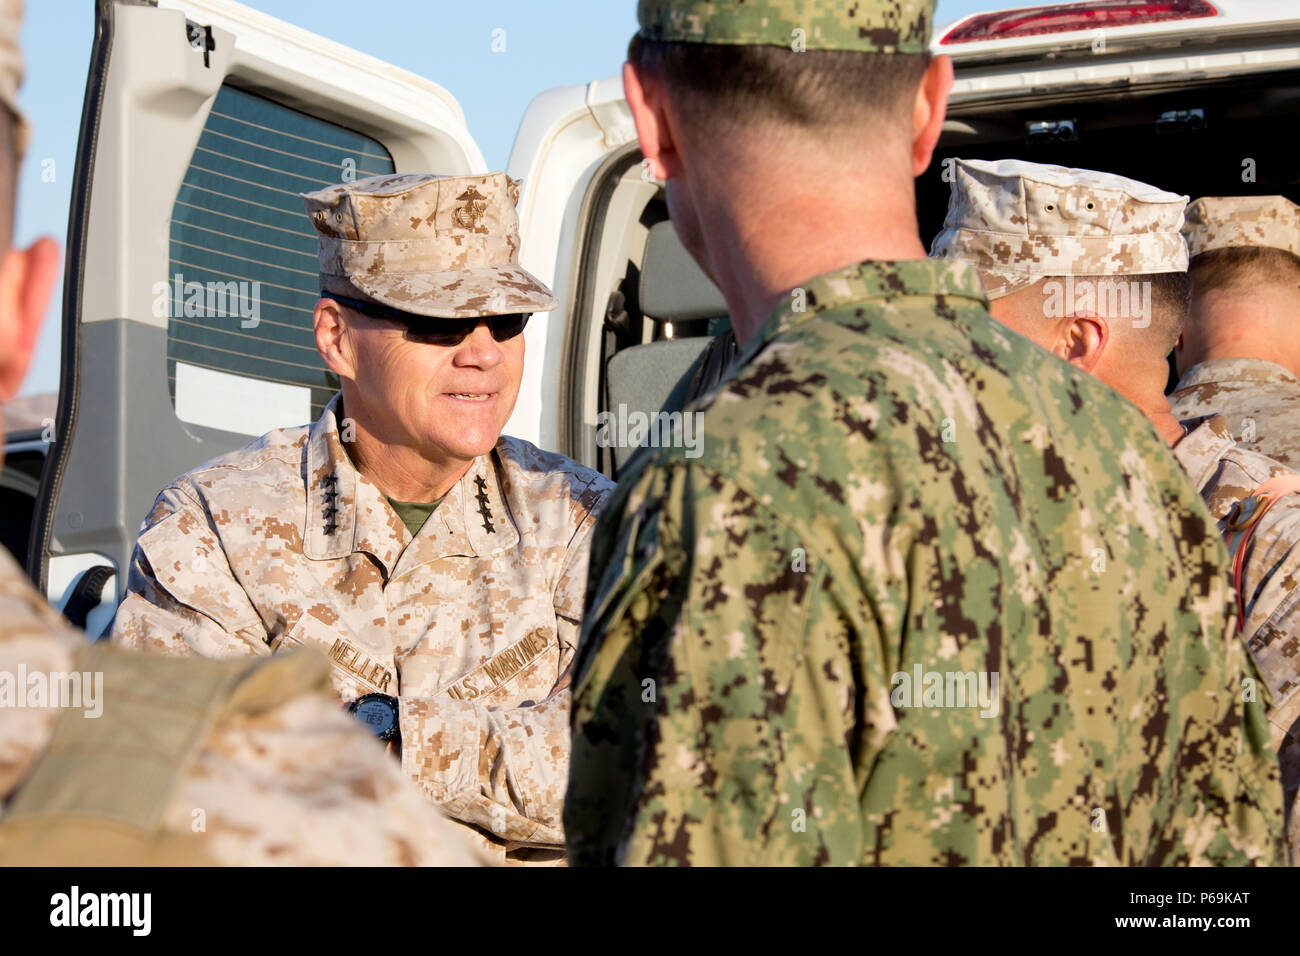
(1226, 473)
(1260, 401)
(472, 623)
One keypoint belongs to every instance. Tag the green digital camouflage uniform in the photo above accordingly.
(962, 502)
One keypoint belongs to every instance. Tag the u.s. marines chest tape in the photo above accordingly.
(502, 668)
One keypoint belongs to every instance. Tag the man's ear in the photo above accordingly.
(1084, 340)
(332, 339)
(26, 281)
(928, 112)
(1181, 365)
(645, 98)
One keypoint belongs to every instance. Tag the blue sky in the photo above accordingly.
(448, 41)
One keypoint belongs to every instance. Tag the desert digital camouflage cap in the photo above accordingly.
(864, 26)
(1221, 222)
(11, 65)
(441, 246)
(1018, 222)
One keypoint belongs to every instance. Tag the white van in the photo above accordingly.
(191, 268)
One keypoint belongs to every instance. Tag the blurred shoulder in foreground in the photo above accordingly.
(108, 757)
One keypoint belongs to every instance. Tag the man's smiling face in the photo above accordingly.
(448, 403)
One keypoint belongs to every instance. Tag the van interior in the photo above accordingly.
(643, 304)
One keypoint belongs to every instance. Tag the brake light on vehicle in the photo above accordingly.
(1065, 17)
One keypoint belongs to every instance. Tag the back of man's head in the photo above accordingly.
(1088, 264)
(1144, 313)
(835, 101)
(788, 132)
(1245, 272)
(787, 72)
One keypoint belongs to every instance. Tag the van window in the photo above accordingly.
(243, 275)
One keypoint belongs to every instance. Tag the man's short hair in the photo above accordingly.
(1171, 296)
(729, 88)
(1243, 268)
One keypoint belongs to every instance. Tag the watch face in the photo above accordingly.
(378, 714)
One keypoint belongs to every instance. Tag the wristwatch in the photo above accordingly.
(379, 714)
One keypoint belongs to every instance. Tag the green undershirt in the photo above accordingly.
(414, 513)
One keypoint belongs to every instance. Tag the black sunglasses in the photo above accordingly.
(428, 330)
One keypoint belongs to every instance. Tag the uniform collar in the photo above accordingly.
(1207, 440)
(347, 513)
(1236, 370)
(866, 282)
(472, 520)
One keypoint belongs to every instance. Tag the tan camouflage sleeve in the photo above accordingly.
(1271, 588)
(181, 596)
(298, 785)
(705, 693)
(506, 770)
(502, 770)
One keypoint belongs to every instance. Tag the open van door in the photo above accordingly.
(191, 266)
(635, 310)
(569, 141)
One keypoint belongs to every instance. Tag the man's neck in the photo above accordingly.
(774, 232)
(1142, 384)
(1169, 427)
(1257, 325)
(399, 471)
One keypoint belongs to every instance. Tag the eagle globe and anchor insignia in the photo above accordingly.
(474, 209)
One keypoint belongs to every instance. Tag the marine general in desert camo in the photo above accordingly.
(146, 760)
(439, 564)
